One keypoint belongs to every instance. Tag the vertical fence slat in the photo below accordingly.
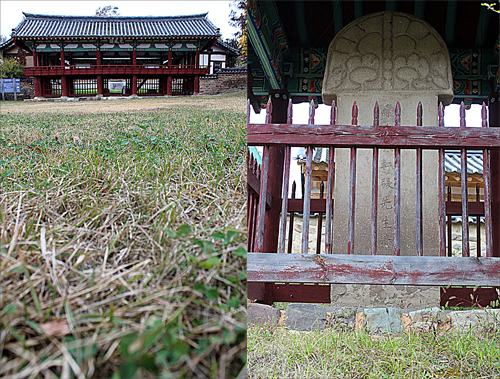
(292, 217)
(397, 187)
(307, 201)
(450, 239)
(420, 231)
(289, 113)
(284, 199)
(262, 198)
(487, 189)
(329, 186)
(376, 113)
(307, 185)
(320, 221)
(465, 195)
(352, 188)
(442, 194)
(478, 223)
(249, 204)
(286, 182)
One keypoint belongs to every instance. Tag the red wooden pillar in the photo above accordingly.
(98, 57)
(169, 85)
(62, 57)
(64, 86)
(197, 61)
(263, 292)
(494, 121)
(99, 85)
(134, 85)
(169, 57)
(164, 81)
(35, 58)
(134, 57)
(196, 84)
(38, 87)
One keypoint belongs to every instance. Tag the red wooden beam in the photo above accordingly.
(369, 136)
(372, 269)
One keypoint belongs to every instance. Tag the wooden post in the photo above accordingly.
(35, 57)
(169, 57)
(134, 57)
(64, 86)
(169, 83)
(38, 87)
(99, 85)
(279, 101)
(196, 84)
(134, 85)
(494, 122)
(62, 57)
(197, 61)
(99, 57)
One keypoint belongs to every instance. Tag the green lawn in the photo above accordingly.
(122, 238)
(276, 352)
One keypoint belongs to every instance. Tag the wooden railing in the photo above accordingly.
(343, 266)
(116, 69)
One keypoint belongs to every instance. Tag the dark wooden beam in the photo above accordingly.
(373, 269)
(358, 9)
(419, 10)
(482, 27)
(451, 18)
(368, 136)
(391, 5)
(338, 17)
(300, 22)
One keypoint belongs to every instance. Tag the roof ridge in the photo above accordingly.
(47, 16)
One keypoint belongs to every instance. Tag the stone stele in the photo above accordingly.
(387, 57)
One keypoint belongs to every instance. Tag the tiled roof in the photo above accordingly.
(6, 44)
(36, 25)
(227, 47)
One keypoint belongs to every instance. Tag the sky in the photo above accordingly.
(218, 11)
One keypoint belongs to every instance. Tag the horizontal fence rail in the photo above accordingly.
(344, 266)
(369, 269)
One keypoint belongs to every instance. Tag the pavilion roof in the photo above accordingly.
(51, 26)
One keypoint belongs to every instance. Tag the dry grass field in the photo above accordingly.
(122, 238)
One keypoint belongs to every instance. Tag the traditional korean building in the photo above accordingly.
(82, 56)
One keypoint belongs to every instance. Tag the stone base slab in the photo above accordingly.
(311, 317)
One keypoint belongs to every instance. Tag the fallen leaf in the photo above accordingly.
(55, 327)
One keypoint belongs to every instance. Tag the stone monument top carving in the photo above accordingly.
(390, 52)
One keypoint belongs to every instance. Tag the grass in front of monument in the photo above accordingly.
(276, 352)
(122, 238)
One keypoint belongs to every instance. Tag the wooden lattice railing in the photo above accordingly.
(343, 266)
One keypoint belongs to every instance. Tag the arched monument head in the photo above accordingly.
(388, 52)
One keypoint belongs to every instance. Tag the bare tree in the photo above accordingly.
(107, 11)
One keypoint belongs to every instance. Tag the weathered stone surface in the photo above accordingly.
(428, 319)
(380, 320)
(341, 318)
(388, 51)
(261, 313)
(305, 317)
(475, 319)
(352, 295)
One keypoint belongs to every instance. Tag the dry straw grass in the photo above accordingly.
(121, 234)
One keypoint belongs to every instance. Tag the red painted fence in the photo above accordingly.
(343, 266)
